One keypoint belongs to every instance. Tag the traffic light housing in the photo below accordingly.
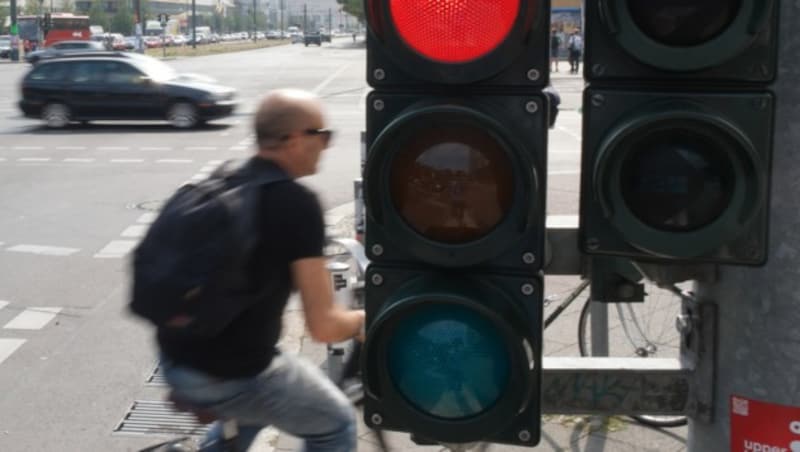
(677, 130)
(455, 190)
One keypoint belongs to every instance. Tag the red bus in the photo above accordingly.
(65, 27)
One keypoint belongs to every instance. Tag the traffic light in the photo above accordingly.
(677, 129)
(454, 187)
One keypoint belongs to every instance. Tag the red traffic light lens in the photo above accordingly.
(452, 183)
(454, 31)
(683, 23)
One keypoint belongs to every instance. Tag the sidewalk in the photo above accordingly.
(559, 433)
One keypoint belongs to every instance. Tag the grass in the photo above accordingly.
(212, 49)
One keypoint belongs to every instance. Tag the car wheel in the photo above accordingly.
(55, 115)
(182, 115)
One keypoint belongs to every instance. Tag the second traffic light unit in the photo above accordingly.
(455, 186)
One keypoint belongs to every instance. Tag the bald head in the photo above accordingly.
(282, 112)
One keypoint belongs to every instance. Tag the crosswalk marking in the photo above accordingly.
(32, 319)
(9, 346)
(79, 160)
(3, 304)
(44, 250)
(173, 161)
(147, 218)
(135, 231)
(116, 249)
(127, 160)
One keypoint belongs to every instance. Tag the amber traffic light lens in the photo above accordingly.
(683, 23)
(452, 183)
(454, 31)
(677, 180)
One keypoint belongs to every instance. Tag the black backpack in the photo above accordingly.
(189, 269)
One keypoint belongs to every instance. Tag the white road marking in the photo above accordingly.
(156, 148)
(127, 160)
(113, 148)
(362, 101)
(135, 231)
(34, 159)
(116, 249)
(28, 148)
(173, 161)
(200, 148)
(71, 148)
(79, 160)
(147, 218)
(199, 177)
(329, 79)
(215, 162)
(569, 132)
(44, 250)
(9, 346)
(32, 319)
(563, 172)
(238, 148)
(3, 304)
(2, 159)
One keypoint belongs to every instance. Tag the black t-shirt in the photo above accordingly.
(292, 227)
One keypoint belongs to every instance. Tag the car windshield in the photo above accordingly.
(5, 42)
(153, 68)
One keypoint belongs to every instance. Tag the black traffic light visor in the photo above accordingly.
(452, 358)
(450, 182)
(678, 182)
(685, 35)
(452, 41)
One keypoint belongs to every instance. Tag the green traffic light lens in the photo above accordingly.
(448, 361)
(676, 179)
(452, 182)
(683, 23)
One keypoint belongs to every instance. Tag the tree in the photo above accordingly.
(32, 7)
(353, 7)
(97, 15)
(67, 6)
(122, 20)
(4, 12)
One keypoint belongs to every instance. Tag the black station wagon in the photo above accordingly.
(120, 86)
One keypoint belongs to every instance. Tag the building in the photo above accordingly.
(567, 15)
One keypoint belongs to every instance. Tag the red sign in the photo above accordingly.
(764, 427)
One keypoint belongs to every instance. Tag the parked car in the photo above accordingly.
(5, 46)
(120, 86)
(63, 48)
(312, 38)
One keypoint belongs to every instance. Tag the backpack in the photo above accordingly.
(189, 269)
(575, 43)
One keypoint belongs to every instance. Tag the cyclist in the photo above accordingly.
(240, 374)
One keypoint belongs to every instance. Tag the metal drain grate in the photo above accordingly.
(159, 417)
(157, 377)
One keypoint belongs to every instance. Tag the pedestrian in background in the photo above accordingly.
(575, 49)
(555, 48)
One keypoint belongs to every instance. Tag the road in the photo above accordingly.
(73, 204)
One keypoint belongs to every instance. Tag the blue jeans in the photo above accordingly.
(292, 395)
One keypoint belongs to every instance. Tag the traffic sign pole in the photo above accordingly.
(757, 394)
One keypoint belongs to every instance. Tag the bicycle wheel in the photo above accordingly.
(640, 329)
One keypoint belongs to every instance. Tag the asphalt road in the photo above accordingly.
(73, 203)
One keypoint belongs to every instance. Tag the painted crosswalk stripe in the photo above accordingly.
(113, 148)
(3, 304)
(28, 148)
(71, 148)
(173, 161)
(237, 148)
(78, 160)
(147, 218)
(44, 250)
(135, 231)
(9, 346)
(2, 159)
(34, 159)
(116, 249)
(32, 319)
(127, 160)
(200, 148)
(155, 148)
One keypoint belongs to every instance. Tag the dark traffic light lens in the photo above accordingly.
(683, 23)
(452, 183)
(448, 361)
(677, 180)
(454, 31)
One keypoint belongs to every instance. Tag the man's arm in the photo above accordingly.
(326, 320)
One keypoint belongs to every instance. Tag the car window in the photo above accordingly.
(87, 72)
(48, 72)
(121, 73)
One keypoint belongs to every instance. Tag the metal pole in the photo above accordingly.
(255, 25)
(282, 6)
(758, 344)
(330, 22)
(305, 18)
(139, 25)
(16, 43)
(194, 24)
